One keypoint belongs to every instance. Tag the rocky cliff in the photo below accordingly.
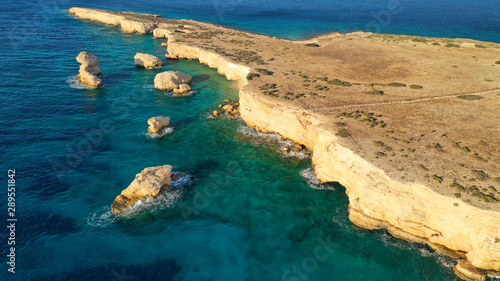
(116, 19)
(412, 212)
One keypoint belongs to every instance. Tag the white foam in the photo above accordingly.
(101, 218)
(166, 131)
(276, 139)
(75, 84)
(251, 132)
(182, 182)
(171, 94)
(166, 200)
(312, 180)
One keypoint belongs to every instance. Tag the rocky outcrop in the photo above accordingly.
(157, 124)
(133, 26)
(162, 32)
(182, 89)
(147, 60)
(89, 70)
(148, 184)
(173, 80)
(228, 108)
(231, 70)
(115, 19)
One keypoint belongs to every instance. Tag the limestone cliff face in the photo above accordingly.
(231, 70)
(413, 212)
(127, 25)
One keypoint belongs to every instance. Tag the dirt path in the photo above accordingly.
(405, 101)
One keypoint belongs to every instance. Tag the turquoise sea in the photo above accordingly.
(243, 212)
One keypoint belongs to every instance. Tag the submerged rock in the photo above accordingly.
(147, 60)
(229, 108)
(149, 183)
(89, 70)
(157, 124)
(171, 80)
(183, 88)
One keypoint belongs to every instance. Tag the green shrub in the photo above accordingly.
(339, 82)
(457, 186)
(423, 167)
(437, 178)
(416, 87)
(395, 84)
(343, 133)
(480, 46)
(380, 154)
(497, 62)
(451, 45)
(311, 45)
(436, 44)
(420, 39)
(458, 195)
(375, 92)
(340, 124)
(470, 97)
(251, 75)
(481, 175)
(264, 71)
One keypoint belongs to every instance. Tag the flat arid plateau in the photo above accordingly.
(407, 124)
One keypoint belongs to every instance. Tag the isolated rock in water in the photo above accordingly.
(147, 60)
(183, 88)
(89, 70)
(171, 80)
(149, 183)
(157, 124)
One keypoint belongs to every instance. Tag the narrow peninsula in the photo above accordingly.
(409, 125)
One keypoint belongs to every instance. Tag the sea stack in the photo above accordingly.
(89, 70)
(173, 80)
(157, 124)
(147, 61)
(149, 183)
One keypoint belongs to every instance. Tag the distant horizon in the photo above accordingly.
(303, 20)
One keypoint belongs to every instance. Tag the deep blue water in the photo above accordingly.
(247, 213)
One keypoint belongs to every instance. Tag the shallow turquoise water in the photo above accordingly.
(247, 213)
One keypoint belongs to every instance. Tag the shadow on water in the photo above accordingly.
(200, 78)
(53, 224)
(43, 180)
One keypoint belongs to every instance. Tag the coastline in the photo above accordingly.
(408, 211)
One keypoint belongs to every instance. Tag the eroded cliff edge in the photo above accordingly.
(409, 209)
